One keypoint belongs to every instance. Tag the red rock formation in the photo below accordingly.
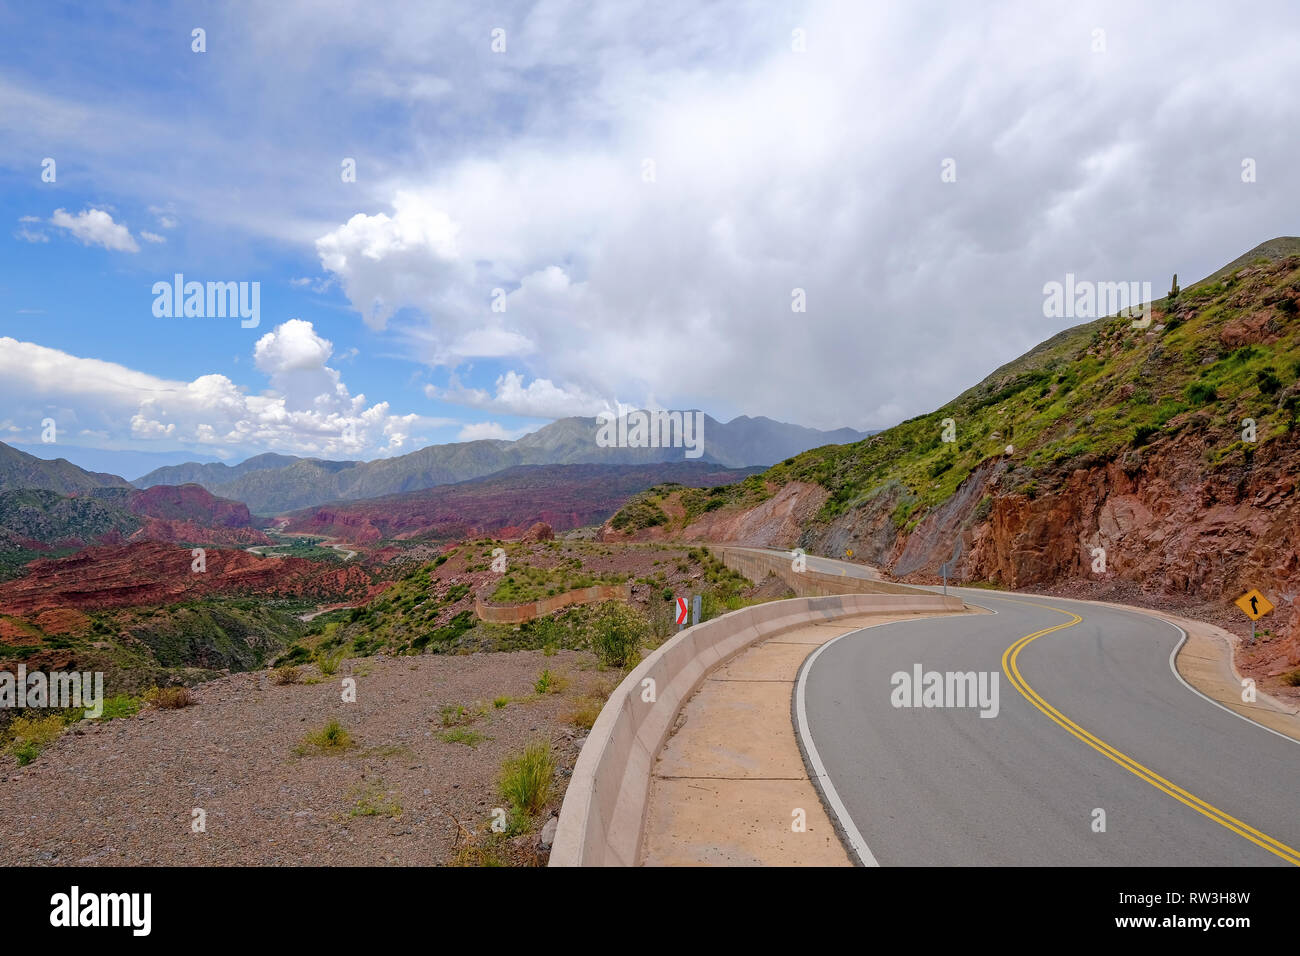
(156, 573)
(541, 531)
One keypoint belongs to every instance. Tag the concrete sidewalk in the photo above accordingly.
(727, 783)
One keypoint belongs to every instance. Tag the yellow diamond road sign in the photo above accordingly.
(1254, 604)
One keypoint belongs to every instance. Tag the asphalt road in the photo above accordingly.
(1181, 781)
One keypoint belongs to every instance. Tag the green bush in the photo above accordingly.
(619, 633)
(297, 654)
(1268, 381)
(328, 664)
(1201, 393)
(30, 735)
(548, 682)
(120, 705)
(1142, 434)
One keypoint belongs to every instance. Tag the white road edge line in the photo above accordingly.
(837, 808)
(856, 842)
(1174, 653)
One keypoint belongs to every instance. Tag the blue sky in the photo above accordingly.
(645, 185)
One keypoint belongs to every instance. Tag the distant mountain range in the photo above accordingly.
(113, 461)
(273, 484)
(21, 470)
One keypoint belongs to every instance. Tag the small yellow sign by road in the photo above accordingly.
(849, 552)
(1254, 604)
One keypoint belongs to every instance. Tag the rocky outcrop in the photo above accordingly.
(541, 531)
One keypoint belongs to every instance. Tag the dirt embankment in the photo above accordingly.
(777, 522)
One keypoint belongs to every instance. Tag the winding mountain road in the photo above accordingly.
(1091, 716)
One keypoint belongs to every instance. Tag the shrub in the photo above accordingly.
(1142, 434)
(526, 779)
(285, 675)
(1292, 678)
(1268, 381)
(170, 698)
(297, 654)
(500, 702)
(1201, 393)
(30, 735)
(548, 683)
(120, 705)
(619, 633)
(331, 738)
(585, 713)
(328, 663)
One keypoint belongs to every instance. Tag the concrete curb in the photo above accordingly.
(603, 815)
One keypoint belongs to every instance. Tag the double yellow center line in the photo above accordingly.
(1012, 670)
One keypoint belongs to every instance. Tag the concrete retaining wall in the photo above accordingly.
(518, 613)
(603, 814)
(756, 565)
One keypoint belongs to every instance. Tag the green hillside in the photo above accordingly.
(1087, 395)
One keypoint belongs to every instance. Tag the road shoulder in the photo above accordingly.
(727, 785)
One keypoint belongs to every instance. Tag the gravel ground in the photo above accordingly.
(123, 792)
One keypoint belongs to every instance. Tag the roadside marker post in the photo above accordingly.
(948, 566)
(681, 613)
(1254, 605)
(695, 609)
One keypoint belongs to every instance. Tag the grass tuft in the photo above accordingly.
(332, 738)
(526, 778)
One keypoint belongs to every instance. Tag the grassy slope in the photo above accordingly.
(430, 609)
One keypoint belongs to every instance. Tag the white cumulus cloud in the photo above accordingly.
(540, 398)
(95, 227)
(306, 410)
